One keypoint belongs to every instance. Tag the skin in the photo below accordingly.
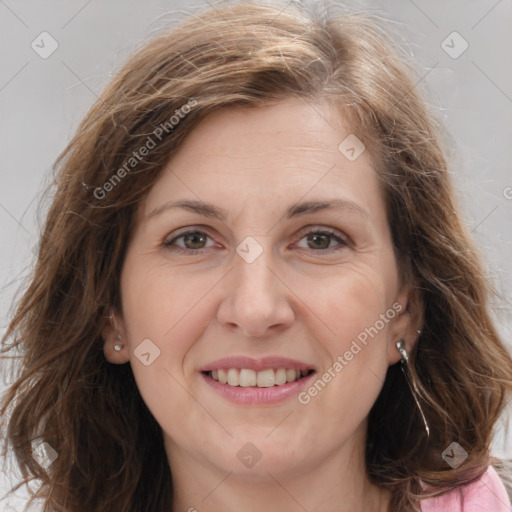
(297, 299)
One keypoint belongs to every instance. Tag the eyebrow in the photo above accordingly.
(296, 210)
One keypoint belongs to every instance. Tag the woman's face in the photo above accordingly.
(255, 295)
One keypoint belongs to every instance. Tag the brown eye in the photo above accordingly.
(318, 241)
(194, 240)
(322, 240)
(190, 241)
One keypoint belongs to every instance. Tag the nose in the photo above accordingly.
(257, 300)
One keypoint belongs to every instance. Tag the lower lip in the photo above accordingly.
(254, 395)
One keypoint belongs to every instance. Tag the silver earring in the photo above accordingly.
(414, 391)
(118, 346)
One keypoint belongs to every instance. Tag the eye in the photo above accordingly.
(321, 239)
(192, 241)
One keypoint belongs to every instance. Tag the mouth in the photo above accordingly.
(247, 378)
(251, 382)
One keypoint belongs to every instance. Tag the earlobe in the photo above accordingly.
(406, 325)
(115, 348)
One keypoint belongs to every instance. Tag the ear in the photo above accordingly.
(114, 334)
(406, 324)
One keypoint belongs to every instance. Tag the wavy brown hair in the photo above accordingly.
(110, 449)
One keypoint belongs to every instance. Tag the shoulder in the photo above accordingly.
(487, 494)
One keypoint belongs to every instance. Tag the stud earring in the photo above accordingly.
(118, 346)
(414, 390)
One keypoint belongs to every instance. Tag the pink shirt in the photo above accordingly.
(487, 494)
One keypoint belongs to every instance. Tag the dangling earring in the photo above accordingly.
(414, 391)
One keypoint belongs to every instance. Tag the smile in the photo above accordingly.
(248, 381)
(246, 377)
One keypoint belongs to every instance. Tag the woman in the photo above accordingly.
(254, 290)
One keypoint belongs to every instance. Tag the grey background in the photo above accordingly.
(43, 100)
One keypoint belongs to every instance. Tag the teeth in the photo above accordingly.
(291, 375)
(223, 377)
(263, 379)
(280, 376)
(233, 377)
(247, 378)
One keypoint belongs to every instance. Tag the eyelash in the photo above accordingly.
(316, 231)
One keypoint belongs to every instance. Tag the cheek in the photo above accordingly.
(172, 320)
(164, 306)
(346, 304)
(357, 309)
(159, 302)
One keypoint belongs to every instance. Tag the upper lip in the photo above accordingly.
(256, 364)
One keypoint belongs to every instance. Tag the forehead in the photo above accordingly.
(285, 151)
